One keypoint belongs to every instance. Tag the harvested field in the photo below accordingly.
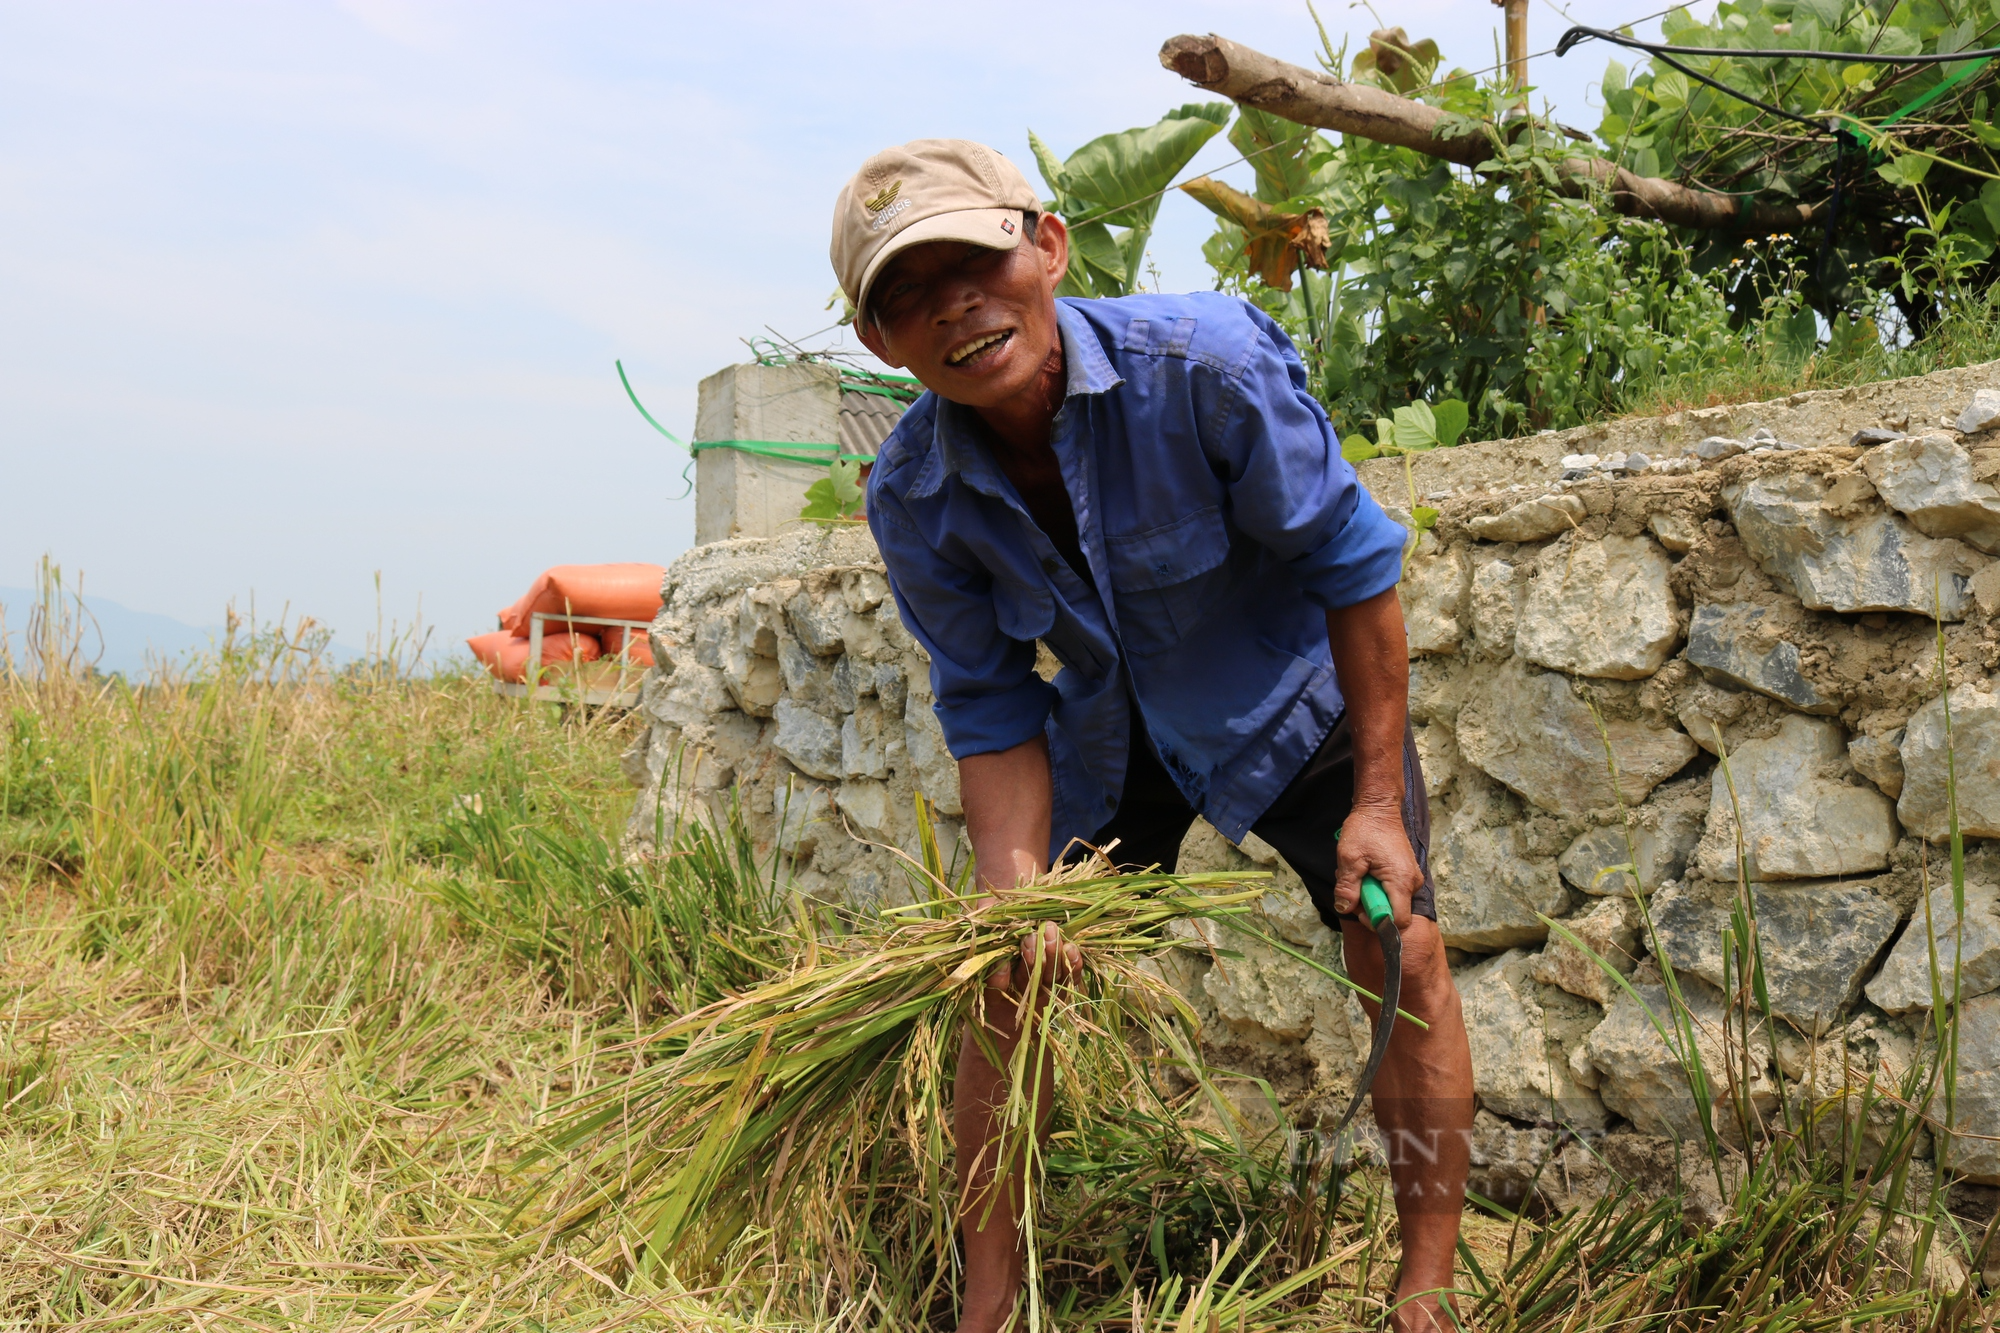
(298, 966)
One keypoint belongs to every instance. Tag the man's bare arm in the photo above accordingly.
(1007, 797)
(1372, 659)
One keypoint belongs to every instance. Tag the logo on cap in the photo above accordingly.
(1006, 226)
(885, 206)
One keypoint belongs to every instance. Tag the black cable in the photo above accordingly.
(1832, 214)
(1584, 34)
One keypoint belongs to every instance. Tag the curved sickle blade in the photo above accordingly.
(1385, 1024)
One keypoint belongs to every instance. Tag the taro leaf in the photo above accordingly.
(1096, 265)
(1275, 243)
(1850, 337)
(1280, 152)
(1798, 334)
(835, 496)
(1117, 178)
(1356, 449)
(1451, 416)
(1052, 171)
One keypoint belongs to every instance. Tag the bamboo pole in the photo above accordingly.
(1307, 97)
(1517, 43)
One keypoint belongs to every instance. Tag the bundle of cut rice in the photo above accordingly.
(755, 1106)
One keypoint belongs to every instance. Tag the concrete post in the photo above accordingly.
(740, 494)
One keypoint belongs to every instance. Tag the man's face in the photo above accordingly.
(976, 326)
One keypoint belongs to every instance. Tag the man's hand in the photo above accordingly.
(1374, 842)
(1009, 1001)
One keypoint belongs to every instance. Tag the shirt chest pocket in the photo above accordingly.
(1167, 578)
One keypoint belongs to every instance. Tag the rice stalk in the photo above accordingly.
(816, 1106)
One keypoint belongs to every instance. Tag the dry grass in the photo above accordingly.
(300, 967)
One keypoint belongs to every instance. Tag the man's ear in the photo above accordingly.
(870, 334)
(1052, 239)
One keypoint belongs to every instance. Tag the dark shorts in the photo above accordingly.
(1153, 817)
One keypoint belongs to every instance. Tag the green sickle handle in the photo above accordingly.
(1375, 905)
(1375, 902)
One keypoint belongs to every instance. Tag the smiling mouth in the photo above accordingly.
(979, 348)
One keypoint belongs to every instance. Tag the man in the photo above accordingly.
(1144, 485)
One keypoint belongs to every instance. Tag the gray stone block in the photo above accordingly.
(1904, 983)
(1610, 929)
(1600, 608)
(1662, 852)
(1530, 520)
(1818, 940)
(1929, 480)
(808, 738)
(1924, 806)
(1880, 760)
(1982, 413)
(1859, 562)
(1527, 729)
(1733, 644)
(1642, 1077)
(1975, 1149)
(1433, 593)
(1516, 1070)
(1801, 818)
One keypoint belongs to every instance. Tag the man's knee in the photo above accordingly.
(1428, 991)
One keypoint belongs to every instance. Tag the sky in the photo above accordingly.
(317, 303)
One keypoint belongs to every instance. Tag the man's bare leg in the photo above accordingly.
(990, 1200)
(990, 1220)
(1423, 1105)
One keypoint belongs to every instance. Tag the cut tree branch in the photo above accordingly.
(1307, 97)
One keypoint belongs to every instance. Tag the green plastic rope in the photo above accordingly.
(1958, 76)
(787, 451)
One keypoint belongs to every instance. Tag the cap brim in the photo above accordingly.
(974, 226)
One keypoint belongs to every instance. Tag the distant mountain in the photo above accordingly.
(130, 640)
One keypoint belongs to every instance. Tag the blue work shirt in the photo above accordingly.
(1219, 523)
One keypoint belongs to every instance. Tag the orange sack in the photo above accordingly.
(638, 648)
(618, 592)
(486, 647)
(510, 662)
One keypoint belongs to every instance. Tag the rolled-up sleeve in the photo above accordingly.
(1290, 489)
(988, 695)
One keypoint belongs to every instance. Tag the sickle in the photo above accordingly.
(1375, 903)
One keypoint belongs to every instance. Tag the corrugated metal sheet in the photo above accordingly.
(866, 420)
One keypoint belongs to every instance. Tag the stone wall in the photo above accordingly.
(1757, 581)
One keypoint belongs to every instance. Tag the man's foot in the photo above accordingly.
(1424, 1311)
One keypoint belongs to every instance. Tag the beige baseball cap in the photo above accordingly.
(926, 190)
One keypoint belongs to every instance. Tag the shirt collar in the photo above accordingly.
(955, 443)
